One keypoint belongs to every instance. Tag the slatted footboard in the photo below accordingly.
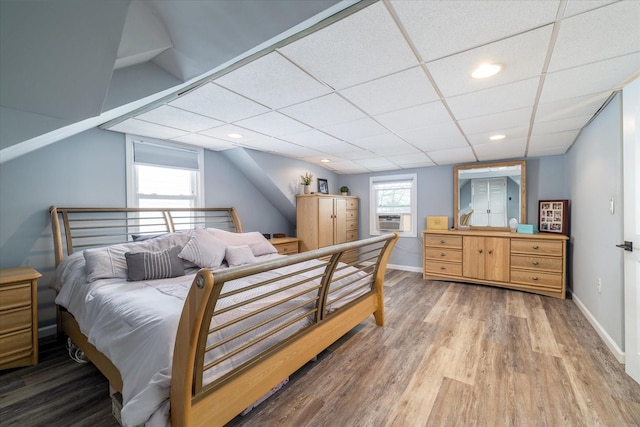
(287, 320)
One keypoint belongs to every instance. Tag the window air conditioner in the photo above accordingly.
(389, 222)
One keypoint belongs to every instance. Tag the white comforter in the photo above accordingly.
(134, 324)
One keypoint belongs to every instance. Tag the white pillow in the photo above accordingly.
(256, 241)
(239, 255)
(203, 249)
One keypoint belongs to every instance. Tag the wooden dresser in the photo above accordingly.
(325, 220)
(286, 245)
(18, 317)
(528, 262)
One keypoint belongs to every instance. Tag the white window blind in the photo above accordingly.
(393, 204)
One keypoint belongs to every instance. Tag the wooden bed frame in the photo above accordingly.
(216, 403)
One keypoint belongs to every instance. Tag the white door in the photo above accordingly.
(498, 202)
(631, 162)
(479, 202)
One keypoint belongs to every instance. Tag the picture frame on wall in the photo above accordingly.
(323, 186)
(553, 216)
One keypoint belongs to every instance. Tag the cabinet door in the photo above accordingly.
(340, 217)
(497, 259)
(326, 222)
(473, 257)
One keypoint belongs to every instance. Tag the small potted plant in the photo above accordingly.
(305, 181)
(344, 190)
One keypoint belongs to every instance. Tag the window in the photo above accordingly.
(160, 174)
(393, 204)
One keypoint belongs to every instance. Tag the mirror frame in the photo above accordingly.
(523, 191)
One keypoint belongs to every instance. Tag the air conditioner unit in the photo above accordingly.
(389, 222)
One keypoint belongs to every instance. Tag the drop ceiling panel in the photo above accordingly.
(521, 57)
(358, 48)
(497, 122)
(273, 81)
(358, 129)
(508, 149)
(588, 37)
(219, 103)
(411, 160)
(324, 111)
(438, 136)
(272, 123)
(548, 141)
(179, 119)
(555, 126)
(377, 164)
(358, 154)
(578, 6)
(222, 132)
(415, 117)
(494, 100)
(394, 92)
(204, 141)
(571, 107)
(311, 138)
(338, 149)
(153, 130)
(456, 155)
(347, 167)
(436, 30)
(296, 150)
(588, 79)
(482, 138)
(386, 145)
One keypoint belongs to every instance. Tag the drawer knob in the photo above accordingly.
(443, 254)
(535, 247)
(443, 268)
(535, 263)
(443, 241)
(490, 251)
(480, 250)
(535, 277)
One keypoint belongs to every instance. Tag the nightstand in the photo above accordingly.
(18, 317)
(286, 245)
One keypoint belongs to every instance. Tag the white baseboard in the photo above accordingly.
(47, 331)
(613, 347)
(404, 268)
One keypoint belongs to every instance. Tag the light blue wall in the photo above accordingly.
(594, 165)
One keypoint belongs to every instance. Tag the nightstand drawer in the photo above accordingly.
(15, 295)
(15, 345)
(287, 248)
(15, 319)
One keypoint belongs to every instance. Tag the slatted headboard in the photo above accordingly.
(83, 228)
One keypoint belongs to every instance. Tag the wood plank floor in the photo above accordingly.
(449, 354)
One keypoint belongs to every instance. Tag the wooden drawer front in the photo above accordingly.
(352, 214)
(14, 320)
(547, 280)
(448, 268)
(15, 344)
(350, 256)
(287, 248)
(352, 235)
(13, 296)
(536, 247)
(352, 225)
(537, 263)
(442, 240)
(442, 254)
(352, 204)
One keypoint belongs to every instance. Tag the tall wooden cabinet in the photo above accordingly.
(529, 262)
(325, 220)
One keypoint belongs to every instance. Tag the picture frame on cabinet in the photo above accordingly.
(553, 216)
(323, 186)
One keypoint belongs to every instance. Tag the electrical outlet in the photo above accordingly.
(599, 285)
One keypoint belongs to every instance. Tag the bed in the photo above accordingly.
(191, 319)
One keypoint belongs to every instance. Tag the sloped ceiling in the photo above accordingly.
(383, 85)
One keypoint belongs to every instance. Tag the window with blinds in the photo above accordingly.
(393, 204)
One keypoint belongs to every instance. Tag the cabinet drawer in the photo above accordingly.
(546, 280)
(287, 248)
(443, 254)
(536, 247)
(537, 263)
(352, 235)
(352, 225)
(15, 344)
(16, 319)
(352, 214)
(442, 240)
(15, 296)
(442, 267)
(352, 204)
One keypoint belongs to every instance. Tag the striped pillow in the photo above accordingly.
(154, 265)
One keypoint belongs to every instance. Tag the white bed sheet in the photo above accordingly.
(134, 324)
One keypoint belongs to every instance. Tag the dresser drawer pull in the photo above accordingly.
(443, 268)
(534, 262)
(535, 247)
(443, 254)
(490, 251)
(535, 277)
(443, 241)
(479, 250)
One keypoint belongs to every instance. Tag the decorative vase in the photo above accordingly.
(307, 189)
(344, 193)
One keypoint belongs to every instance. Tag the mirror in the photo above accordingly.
(489, 194)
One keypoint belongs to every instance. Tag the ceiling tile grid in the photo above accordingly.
(388, 86)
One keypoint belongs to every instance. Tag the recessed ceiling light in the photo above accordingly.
(325, 161)
(486, 70)
(234, 135)
(497, 137)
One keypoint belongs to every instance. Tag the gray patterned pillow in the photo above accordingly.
(154, 265)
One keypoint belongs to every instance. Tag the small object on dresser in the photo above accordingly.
(527, 228)
(437, 222)
(278, 235)
(266, 235)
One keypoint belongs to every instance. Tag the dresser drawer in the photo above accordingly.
(537, 278)
(442, 267)
(352, 235)
(15, 319)
(287, 248)
(443, 254)
(442, 240)
(352, 225)
(536, 247)
(352, 204)
(15, 345)
(15, 295)
(537, 263)
(352, 214)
